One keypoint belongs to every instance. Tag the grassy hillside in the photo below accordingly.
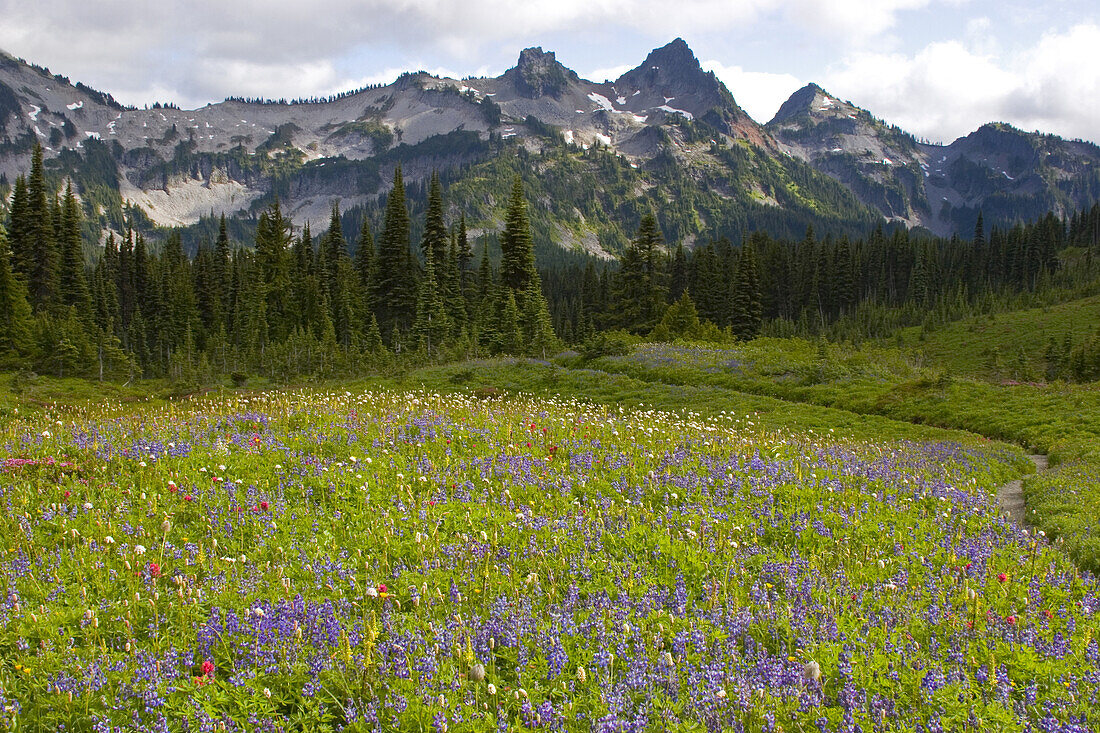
(1005, 345)
(1061, 420)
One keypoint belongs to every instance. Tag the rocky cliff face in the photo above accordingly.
(667, 116)
(1007, 173)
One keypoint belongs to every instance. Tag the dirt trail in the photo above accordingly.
(1010, 496)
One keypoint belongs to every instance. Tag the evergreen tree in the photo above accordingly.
(435, 236)
(42, 244)
(221, 271)
(845, 287)
(517, 261)
(432, 326)
(450, 287)
(15, 311)
(272, 260)
(335, 248)
(640, 289)
(678, 284)
(464, 256)
(108, 313)
(680, 320)
(396, 294)
(208, 295)
(509, 334)
(73, 284)
(22, 231)
(747, 300)
(538, 332)
(373, 341)
(365, 266)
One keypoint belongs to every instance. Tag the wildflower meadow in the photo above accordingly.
(404, 560)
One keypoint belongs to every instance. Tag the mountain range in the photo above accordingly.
(666, 136)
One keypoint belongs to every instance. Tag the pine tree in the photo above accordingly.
(508, 332)
(541, 341)
(365, 266)
(450, 288)
(272, 260)
(373, 341)
(640, 290)
(208, 296)
(15, 311)
(222, 274)
(335, 248)
(681, 320)
(42, 244)
(396, 294)
(21, 234)
(347, 313)
(679, 277)
(845, 288)
(435, 236)
(517, 261)
(485, 311)
(465, 256)
(73, 284)
(432, 326)
(108, 313)
(747, 300)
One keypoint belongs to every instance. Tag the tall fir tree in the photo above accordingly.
(335, 248)
(73, 283)
(432, 326)
(465, 257)
(435, 236)
(517, 246)
(272, 259)
(222, 262)
(396, 293)
(365, 262)
(747, 299)
(21, 233)
(42, 246)
(15, 311)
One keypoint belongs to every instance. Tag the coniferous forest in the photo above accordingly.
(291, 303)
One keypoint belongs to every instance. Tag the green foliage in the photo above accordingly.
(609, 343)
(373, 129)
(988, 345)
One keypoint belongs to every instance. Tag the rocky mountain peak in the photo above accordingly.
(671, 66)
(538, 73)
(810, 101)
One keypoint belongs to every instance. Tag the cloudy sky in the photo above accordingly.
(938, 68)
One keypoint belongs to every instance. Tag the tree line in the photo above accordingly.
(285, 306)
(288, 303)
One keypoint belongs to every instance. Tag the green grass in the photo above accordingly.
(511, 376)
(1005, 345)
(1060, 420)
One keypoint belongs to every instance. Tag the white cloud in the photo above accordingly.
(759, 93)
(122, 44)
(854, 20)
(609, 73)
(948, 89)
(203, 50)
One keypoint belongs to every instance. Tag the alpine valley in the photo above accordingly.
(665, 136)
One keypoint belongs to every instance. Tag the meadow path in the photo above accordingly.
(1010, 496)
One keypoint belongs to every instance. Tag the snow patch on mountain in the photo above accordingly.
(602, 102)
(674, 111)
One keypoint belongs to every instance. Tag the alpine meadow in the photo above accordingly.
(528, 402)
